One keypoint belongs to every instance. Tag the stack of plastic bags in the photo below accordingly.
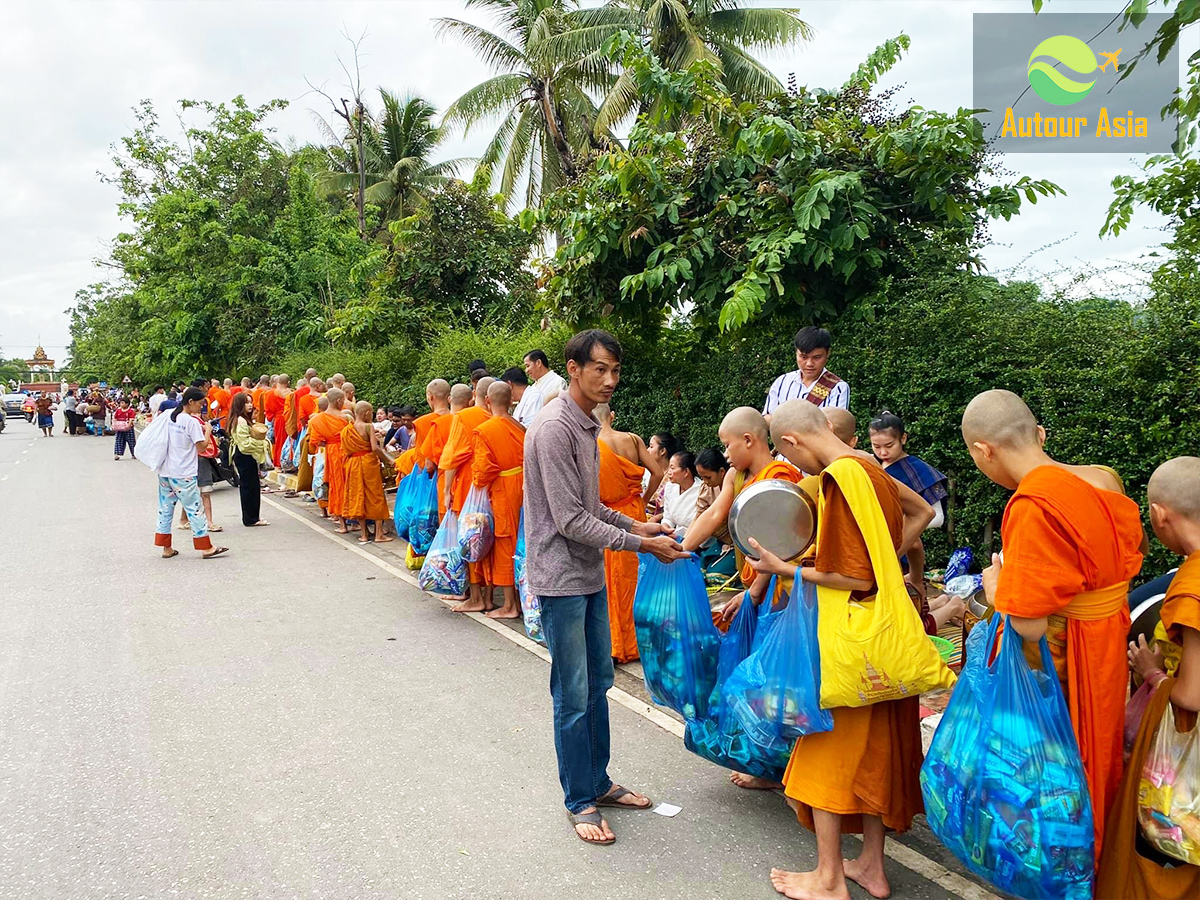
(402, 511)
(775, 693)
(1169, 792)
(423, 512)
(444, 570)
(531, 610)
(476, 525)
(719, 738)
(1003, 783)
(677, 640)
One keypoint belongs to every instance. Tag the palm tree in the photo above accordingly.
(396, 150)
(547, 116)
(680, 32)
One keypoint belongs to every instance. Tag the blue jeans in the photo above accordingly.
(581, 672)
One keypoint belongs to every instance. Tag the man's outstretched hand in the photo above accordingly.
(664, 547)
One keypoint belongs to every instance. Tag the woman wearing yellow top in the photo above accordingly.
(246, 452)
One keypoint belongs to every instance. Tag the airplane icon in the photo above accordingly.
(1111, 58)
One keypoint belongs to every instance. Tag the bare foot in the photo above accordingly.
(593, 834)
(505, 613)
(383, 540)
(470, 606)
(870, 879)
(751, 783)
(341, 529)
(808, 886)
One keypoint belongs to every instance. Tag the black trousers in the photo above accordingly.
(248, 488)
(71, 421)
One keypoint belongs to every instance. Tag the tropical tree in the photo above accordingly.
(678, 33)
(539, 92)
(396, 149)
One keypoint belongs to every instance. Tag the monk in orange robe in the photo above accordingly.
(256, 398)
(1072, 541)
(364, 497)
(623, 456)
(863, 776)
(213, 397)
(499, 467)
(457, 462)
(1125, 874)
(325, 430)
(275, 407)
(306, 407)
(435, 443)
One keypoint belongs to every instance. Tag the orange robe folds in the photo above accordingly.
(458, 454)
(306, 408)
(364, 497)
(1181, 606)
(291, 415)
(621, 490)
(221, 402)
(431, 449)
(499, 459)
(275, 407)
(1070, 550)
(870, 763)
(256, 400)
(774, 469)
(421, 428)
(325, 430)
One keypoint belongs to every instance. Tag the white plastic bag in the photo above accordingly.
(153, 441)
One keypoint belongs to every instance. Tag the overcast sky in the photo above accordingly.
(69, 73)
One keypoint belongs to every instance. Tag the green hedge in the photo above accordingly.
(1111, 383)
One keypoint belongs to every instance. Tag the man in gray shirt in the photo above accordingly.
(566, 532)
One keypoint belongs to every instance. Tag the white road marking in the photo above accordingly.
(16, 462)
(905, 856)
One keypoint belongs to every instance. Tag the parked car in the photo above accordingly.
(14, 404)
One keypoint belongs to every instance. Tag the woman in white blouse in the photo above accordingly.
(681, 492)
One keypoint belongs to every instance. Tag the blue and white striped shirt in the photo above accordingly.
(789, 386)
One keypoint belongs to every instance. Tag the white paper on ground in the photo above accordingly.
(666, 809)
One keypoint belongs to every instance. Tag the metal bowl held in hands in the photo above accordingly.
(777, 514)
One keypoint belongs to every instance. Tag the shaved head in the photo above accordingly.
(335, 397)
(797, 417)
(245, 382)
(999, 418)
(363, 411)
(1176, 485)
(317, 385)
(745, 420)
(228, 382)
(499, 394)
(481, 388)
(841, 423)
(285, 380)
(439, 388)
(322, 403)
(460, 395)
(264, 380)
(310, 373)
(347, 389)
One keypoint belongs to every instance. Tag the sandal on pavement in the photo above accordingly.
(171, 554)
(612, 799)
(592, 818)
(217, 551)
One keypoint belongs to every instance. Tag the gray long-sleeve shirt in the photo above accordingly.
(566, 526)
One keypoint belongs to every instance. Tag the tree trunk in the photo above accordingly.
(362, 172)
(554, 129)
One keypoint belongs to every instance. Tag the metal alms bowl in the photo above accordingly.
(778, 514)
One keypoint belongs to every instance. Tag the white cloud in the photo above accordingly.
(71, 71)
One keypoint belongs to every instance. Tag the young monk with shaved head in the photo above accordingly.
(461, 397)
(862, 776)
(325, 431)
(498, 467)
(457, 461)
(843, 424)
(437, 395)
(364, 497)
(623, 457)
(1072, 541)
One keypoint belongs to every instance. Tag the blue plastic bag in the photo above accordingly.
(677, 640)
(444, 570)
(959, 564)
(476, 525)
(775, 693)
(423, 519)
(719, 738)
(1003, 782)
(531, 607)
(403, 508)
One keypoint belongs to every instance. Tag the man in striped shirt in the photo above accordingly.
(811, 381)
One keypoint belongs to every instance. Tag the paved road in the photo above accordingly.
(294, 721)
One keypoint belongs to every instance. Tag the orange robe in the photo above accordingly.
(456, 459)
(499, 459)
(431, 449)
(621, 490)
(306, 408)
(421, 427)
(870, 763)
(1063, 540)
(275, 406)
(222, 401)
(1181, 606)
(325, 430)
(291, 415)
(364, 497)
(211, 399)
(256, 399)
